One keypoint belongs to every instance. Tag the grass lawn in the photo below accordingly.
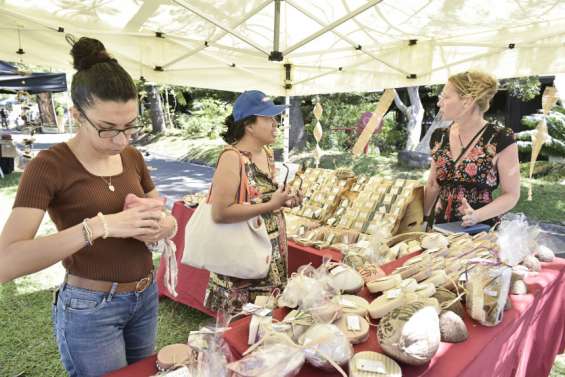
(26, 339)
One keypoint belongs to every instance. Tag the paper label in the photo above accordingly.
(371, 366)
(338, 270)
(181, 372)
(463, 277)
(353, 323)
(393, 293)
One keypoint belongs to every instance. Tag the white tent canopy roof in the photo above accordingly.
(325, 45)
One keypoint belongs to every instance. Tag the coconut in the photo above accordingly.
(452, 328)
(411, 333)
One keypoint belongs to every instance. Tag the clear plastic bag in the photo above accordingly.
(278, 359)
(487, 292)
(516, 239)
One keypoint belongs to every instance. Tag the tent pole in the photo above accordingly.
(286, 135)
(277, 25)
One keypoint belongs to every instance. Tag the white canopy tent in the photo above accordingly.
(295, 47)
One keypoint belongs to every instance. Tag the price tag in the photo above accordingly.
(353, 323)
(181, 372)
(393, 293)
(373, 366)
(338, 270)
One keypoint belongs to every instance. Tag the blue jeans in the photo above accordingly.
(100, 332)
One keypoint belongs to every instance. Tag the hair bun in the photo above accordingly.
(89, 51)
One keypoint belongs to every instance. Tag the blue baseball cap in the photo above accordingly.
(255, 102)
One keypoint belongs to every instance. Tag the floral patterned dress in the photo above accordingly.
(474, 178)
(228, 294)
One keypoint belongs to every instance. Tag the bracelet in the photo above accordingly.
(104, 225)
(87, 232)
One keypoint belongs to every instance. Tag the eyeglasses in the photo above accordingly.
(108, 133)
(295, 176)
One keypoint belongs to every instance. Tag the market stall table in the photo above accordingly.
(524, 344)
(192, 281)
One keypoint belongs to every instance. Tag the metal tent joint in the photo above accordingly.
(276, 56)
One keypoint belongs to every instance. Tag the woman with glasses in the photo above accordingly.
(105, 312)
(472, 157)
(251, 128)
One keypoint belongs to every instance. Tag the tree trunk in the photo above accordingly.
(424, 145)
(156, 107)
(297, 134)
(415, 115)
(46, 109)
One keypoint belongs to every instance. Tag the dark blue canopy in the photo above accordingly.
(12, 81)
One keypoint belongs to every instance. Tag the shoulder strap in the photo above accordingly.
(242, 195)
(431, 216)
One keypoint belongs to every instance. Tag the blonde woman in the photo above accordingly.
(463, 183)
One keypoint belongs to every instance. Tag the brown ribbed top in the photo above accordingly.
(56, 181)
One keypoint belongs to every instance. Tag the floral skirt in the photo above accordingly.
(228, 294)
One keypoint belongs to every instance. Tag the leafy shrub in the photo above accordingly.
(206, 119)
(556, 128)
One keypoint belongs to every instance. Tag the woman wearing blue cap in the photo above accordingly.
(250, 129)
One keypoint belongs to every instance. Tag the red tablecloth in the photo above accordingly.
(524, 344)
(192, 281)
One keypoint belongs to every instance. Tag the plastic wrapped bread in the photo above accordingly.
(276, 359)
(345, 279)
(354, 327)
(326, 341)
(373, 364)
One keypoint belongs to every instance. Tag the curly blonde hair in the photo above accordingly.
(479, 86)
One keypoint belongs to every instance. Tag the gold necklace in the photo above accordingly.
(109, 183)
